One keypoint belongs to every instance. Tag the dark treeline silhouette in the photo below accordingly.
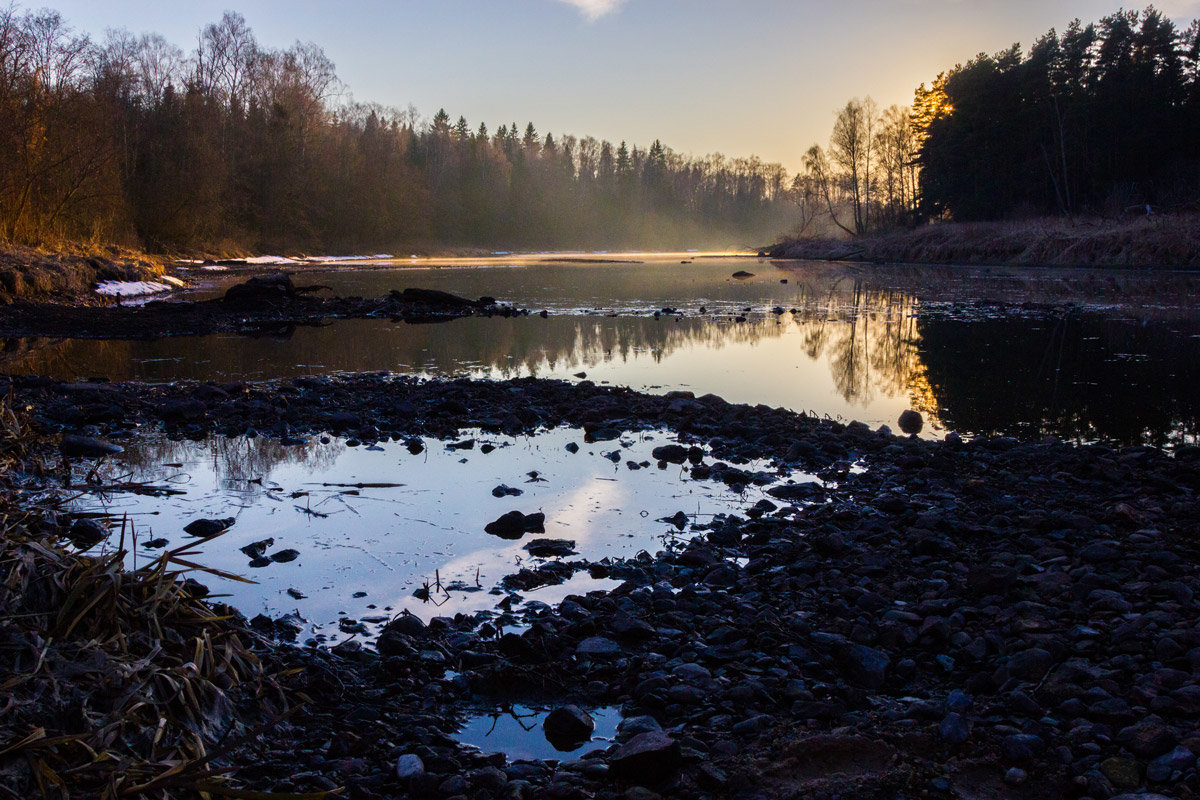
(241, 147)
(1099, 119)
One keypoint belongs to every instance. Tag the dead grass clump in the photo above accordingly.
(68, 272)
(117, 683)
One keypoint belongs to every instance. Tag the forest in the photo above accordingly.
(1100, 120)
(237, 147)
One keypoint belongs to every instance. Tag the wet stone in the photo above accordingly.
(207, 528)
(73, 446)
(598, 646)
(549, 548)
(646, 758)
(566, 727)
(514, 525)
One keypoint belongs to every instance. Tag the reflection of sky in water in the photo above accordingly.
(1110, 357)
(517, 732)
(388, 541)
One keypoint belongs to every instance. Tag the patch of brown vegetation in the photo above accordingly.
(1167, 241)
(69, 273)
(115, 682)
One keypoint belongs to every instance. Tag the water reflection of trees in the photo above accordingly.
(1079, 376)
(235, 461)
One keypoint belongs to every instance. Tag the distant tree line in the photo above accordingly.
(1102, 119)
(237, 146)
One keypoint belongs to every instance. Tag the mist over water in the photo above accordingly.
(1081, 354)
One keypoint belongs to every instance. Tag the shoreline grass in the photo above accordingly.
(120, 683)
(1155, 242)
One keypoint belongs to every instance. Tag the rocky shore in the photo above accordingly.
(259, 305)
(985, 618)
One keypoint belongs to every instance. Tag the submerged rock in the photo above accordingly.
(207, 528)
(87, 447)
(514, 525)
(547, 548)
(267, 289)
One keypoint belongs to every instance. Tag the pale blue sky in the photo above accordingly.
(736, 76)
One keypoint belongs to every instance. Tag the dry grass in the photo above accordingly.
(116, 683)
(1167, 241)
(69, 271)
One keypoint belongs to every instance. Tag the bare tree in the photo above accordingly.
(159, 64)
(851, 148)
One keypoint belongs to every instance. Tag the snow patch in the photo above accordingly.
(131, 288)
(271, 260)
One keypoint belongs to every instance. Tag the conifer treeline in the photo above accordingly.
(239, 146)
(1102, 118)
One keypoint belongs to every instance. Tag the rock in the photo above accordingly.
(911, 422)
(679, 519)
(1122, 773)
(266, 289)
(566, 727)
(646, 758)
(504, 490)
(407, 624)
(1021, 746)
(1149, 738)
(954, 728)
(1161, 768)
(207, 528)
(867, 665)
(598, 646)
(256, 550)
(514, 525)
(793, 492)
(436, 297)
(670, 453)
(633, 726)
(742, 274)
(1031, 664)
(86, 533)
(549, 548)
(284, 556)
(1015, 776)
(86, 447)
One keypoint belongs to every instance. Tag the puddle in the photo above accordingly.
(517, 732)
(360, 533)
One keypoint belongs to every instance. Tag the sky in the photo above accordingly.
(741, 77)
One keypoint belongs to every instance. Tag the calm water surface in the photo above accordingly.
(372, 525)
(1077, 353)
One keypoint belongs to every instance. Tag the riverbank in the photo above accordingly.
(267, 304)
(1157, 242)
(69, 274)
(983, 618)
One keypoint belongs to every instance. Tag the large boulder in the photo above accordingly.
(267, 289)
(567, 727)
(646, 758)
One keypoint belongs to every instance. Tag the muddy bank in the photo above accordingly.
(1159, 242)
(70, 274)
(260, 305)
(955, 619)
